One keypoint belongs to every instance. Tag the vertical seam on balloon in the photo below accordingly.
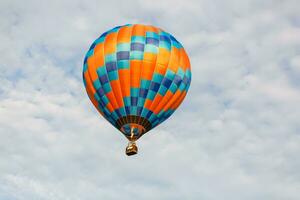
(155, 64)
(179, 97)
(89, 87)
(104, 58)
(118, 70)
(164, 76)
(180, 57)
(177, 87)
(105, 107)
(104, 115)
(129, 64)
(124, 102)
(92, 86)
(160, 83)
(124, 120)
(168, 89)
(107, 116)
(91, 97)
(177, 101)
(141, 68)
(129, 69)
(118, 78)
(184, 89)
(130, 103)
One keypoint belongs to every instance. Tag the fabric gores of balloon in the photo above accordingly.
(136, 76)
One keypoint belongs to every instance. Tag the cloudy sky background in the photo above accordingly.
(236, 136)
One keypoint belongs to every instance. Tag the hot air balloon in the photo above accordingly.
(136, 76)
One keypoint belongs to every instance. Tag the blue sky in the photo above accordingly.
(236, 135)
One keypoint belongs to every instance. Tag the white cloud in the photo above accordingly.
(236, 136)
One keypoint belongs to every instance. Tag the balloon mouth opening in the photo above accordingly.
(133, 131)
(133, 127)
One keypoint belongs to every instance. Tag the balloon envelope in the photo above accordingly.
(136, 76)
